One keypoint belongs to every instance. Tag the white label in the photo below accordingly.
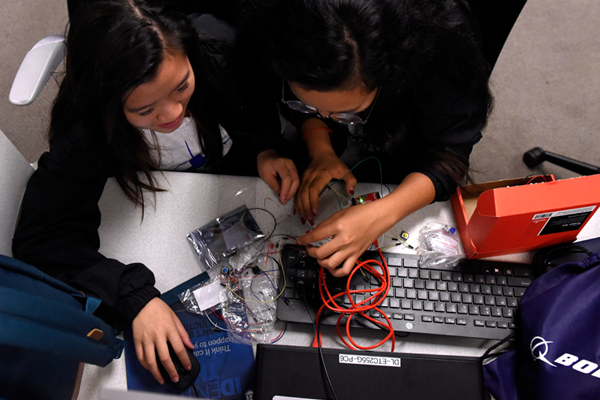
(565, 212)
(208, 296)
(370, 360)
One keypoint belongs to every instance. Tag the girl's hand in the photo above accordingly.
(279, 173)
(155, 325)
(322, 169)
(352, 231)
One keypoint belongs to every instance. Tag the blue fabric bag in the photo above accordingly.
(46, 330)
(557, 353)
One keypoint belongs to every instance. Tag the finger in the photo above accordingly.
(350, 183)
(272, 181)
(183, 333)
(315, 190)
(302, 199)
(151, 363)
(165, 359)
(180, 350)
(287, 185)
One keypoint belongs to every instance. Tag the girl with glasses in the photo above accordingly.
(402, 80)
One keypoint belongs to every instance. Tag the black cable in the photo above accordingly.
(318, 338)
(488, 352)
(272, 216)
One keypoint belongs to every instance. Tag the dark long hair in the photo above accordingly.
(113, 46)
(405, 47)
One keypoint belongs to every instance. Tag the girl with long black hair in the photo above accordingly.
(143, 90)
(401, 80)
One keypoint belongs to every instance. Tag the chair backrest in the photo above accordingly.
(496, 19)
(14, 174)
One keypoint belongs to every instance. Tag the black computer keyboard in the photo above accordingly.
(477, 298)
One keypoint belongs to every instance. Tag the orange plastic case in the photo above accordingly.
(508, 216)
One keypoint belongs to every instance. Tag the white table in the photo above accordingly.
(159, 241)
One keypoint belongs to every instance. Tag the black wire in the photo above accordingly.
(316, 329)
(196, 390)
(488, 352)
(272, 216)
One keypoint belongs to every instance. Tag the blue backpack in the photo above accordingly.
(557, 352)
(46, 330)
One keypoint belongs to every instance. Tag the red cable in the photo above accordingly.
(370, 303)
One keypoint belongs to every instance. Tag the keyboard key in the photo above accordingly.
(490, 324)
(417, 305)
(519, 291)
(450, 320)
(490, 280)
(496, 290)
(485, 311)
(479, 279)
(501, 281)
(474, 288)
(409, 317)
(431, 285)
(522, 272)
(444, 296)
(502, 325)
(451, 308)
(512, 302)
(467, 298)
(406, 304)
(497, 312)
(397, 316)
(519, 281)
(436, 275)
(422, 295)
(426, 318)
(394, 303)
(462, 309)
(501, 301)
(468, 278)
(479, 323)
(424, 274)
(489, 300)
(428, 305)
(397, 282)
(413, 273)
(508, 312)
(392, 271)
(463, 288)
(409, 283)
(457, 277)
(456, 298)
(419, 284)
(411, 263)
(438, 320)
(446, 276)
(440, 307)
(434, 296)
(461, 321)
(441, 286)
(507, 291)
(402, 273)
(474, 310)
(477, 299)
(411, 294)
(486, 289)
(452, 286)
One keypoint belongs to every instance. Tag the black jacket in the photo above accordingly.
(58, 228)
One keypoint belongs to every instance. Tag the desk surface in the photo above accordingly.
(192, 200)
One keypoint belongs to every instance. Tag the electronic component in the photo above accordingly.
(365, 198)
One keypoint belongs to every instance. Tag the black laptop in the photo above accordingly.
(290, 372)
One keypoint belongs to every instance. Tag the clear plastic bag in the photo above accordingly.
(217, 241)
(439, 246)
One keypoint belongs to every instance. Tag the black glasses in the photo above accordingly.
(346, 118)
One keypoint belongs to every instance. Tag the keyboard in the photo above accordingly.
(475, 299)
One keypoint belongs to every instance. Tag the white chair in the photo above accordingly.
(14, 174)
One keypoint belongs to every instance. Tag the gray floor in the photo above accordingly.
(546, 85)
